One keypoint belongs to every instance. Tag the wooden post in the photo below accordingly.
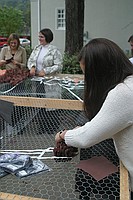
(124, 183)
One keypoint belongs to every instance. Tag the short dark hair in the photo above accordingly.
(130, 39)
(13, 36)
(48, 34)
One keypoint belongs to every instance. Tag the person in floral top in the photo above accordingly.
(45, 58)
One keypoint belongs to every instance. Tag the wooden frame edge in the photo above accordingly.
(8, 196)
(44, 102)
(124, 183)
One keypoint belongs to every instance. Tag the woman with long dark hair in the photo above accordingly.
(108, 100)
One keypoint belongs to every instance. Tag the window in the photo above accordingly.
(60, 24)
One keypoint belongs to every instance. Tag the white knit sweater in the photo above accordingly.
(114, 120)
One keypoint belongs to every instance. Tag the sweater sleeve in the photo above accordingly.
(114, 116)
(2, 53)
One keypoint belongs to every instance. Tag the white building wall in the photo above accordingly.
(46, 10)
(35, 21)
(48, 17)
(112, 19)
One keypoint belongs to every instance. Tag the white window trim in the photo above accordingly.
(56, 18)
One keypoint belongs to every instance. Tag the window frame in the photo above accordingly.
(57, 27)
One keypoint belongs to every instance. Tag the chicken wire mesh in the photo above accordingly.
(34, 128)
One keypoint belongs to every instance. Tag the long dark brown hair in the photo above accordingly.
(106, 65)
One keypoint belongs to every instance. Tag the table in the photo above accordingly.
(37, 117)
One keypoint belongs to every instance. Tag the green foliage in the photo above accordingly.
(28, 51)
(24, 7)
(11, 20)
(2, 67)
(128, 53)
(71, 64)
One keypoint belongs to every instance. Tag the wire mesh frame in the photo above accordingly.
(68, 105)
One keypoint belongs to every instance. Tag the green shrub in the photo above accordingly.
(28, 51)
(71, 65)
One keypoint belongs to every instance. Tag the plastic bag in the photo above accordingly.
(3, 173)
(36, 167)
(12, 162)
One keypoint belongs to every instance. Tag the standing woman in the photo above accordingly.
(108, 101)
(45, 58)
(13, 55)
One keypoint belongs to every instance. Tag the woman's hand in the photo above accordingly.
(60, 136)
(16, 63)
(33, 71)
(41, 73)
(62, 149)
(2, 62)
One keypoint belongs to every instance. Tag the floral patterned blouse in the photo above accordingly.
(52, 61)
